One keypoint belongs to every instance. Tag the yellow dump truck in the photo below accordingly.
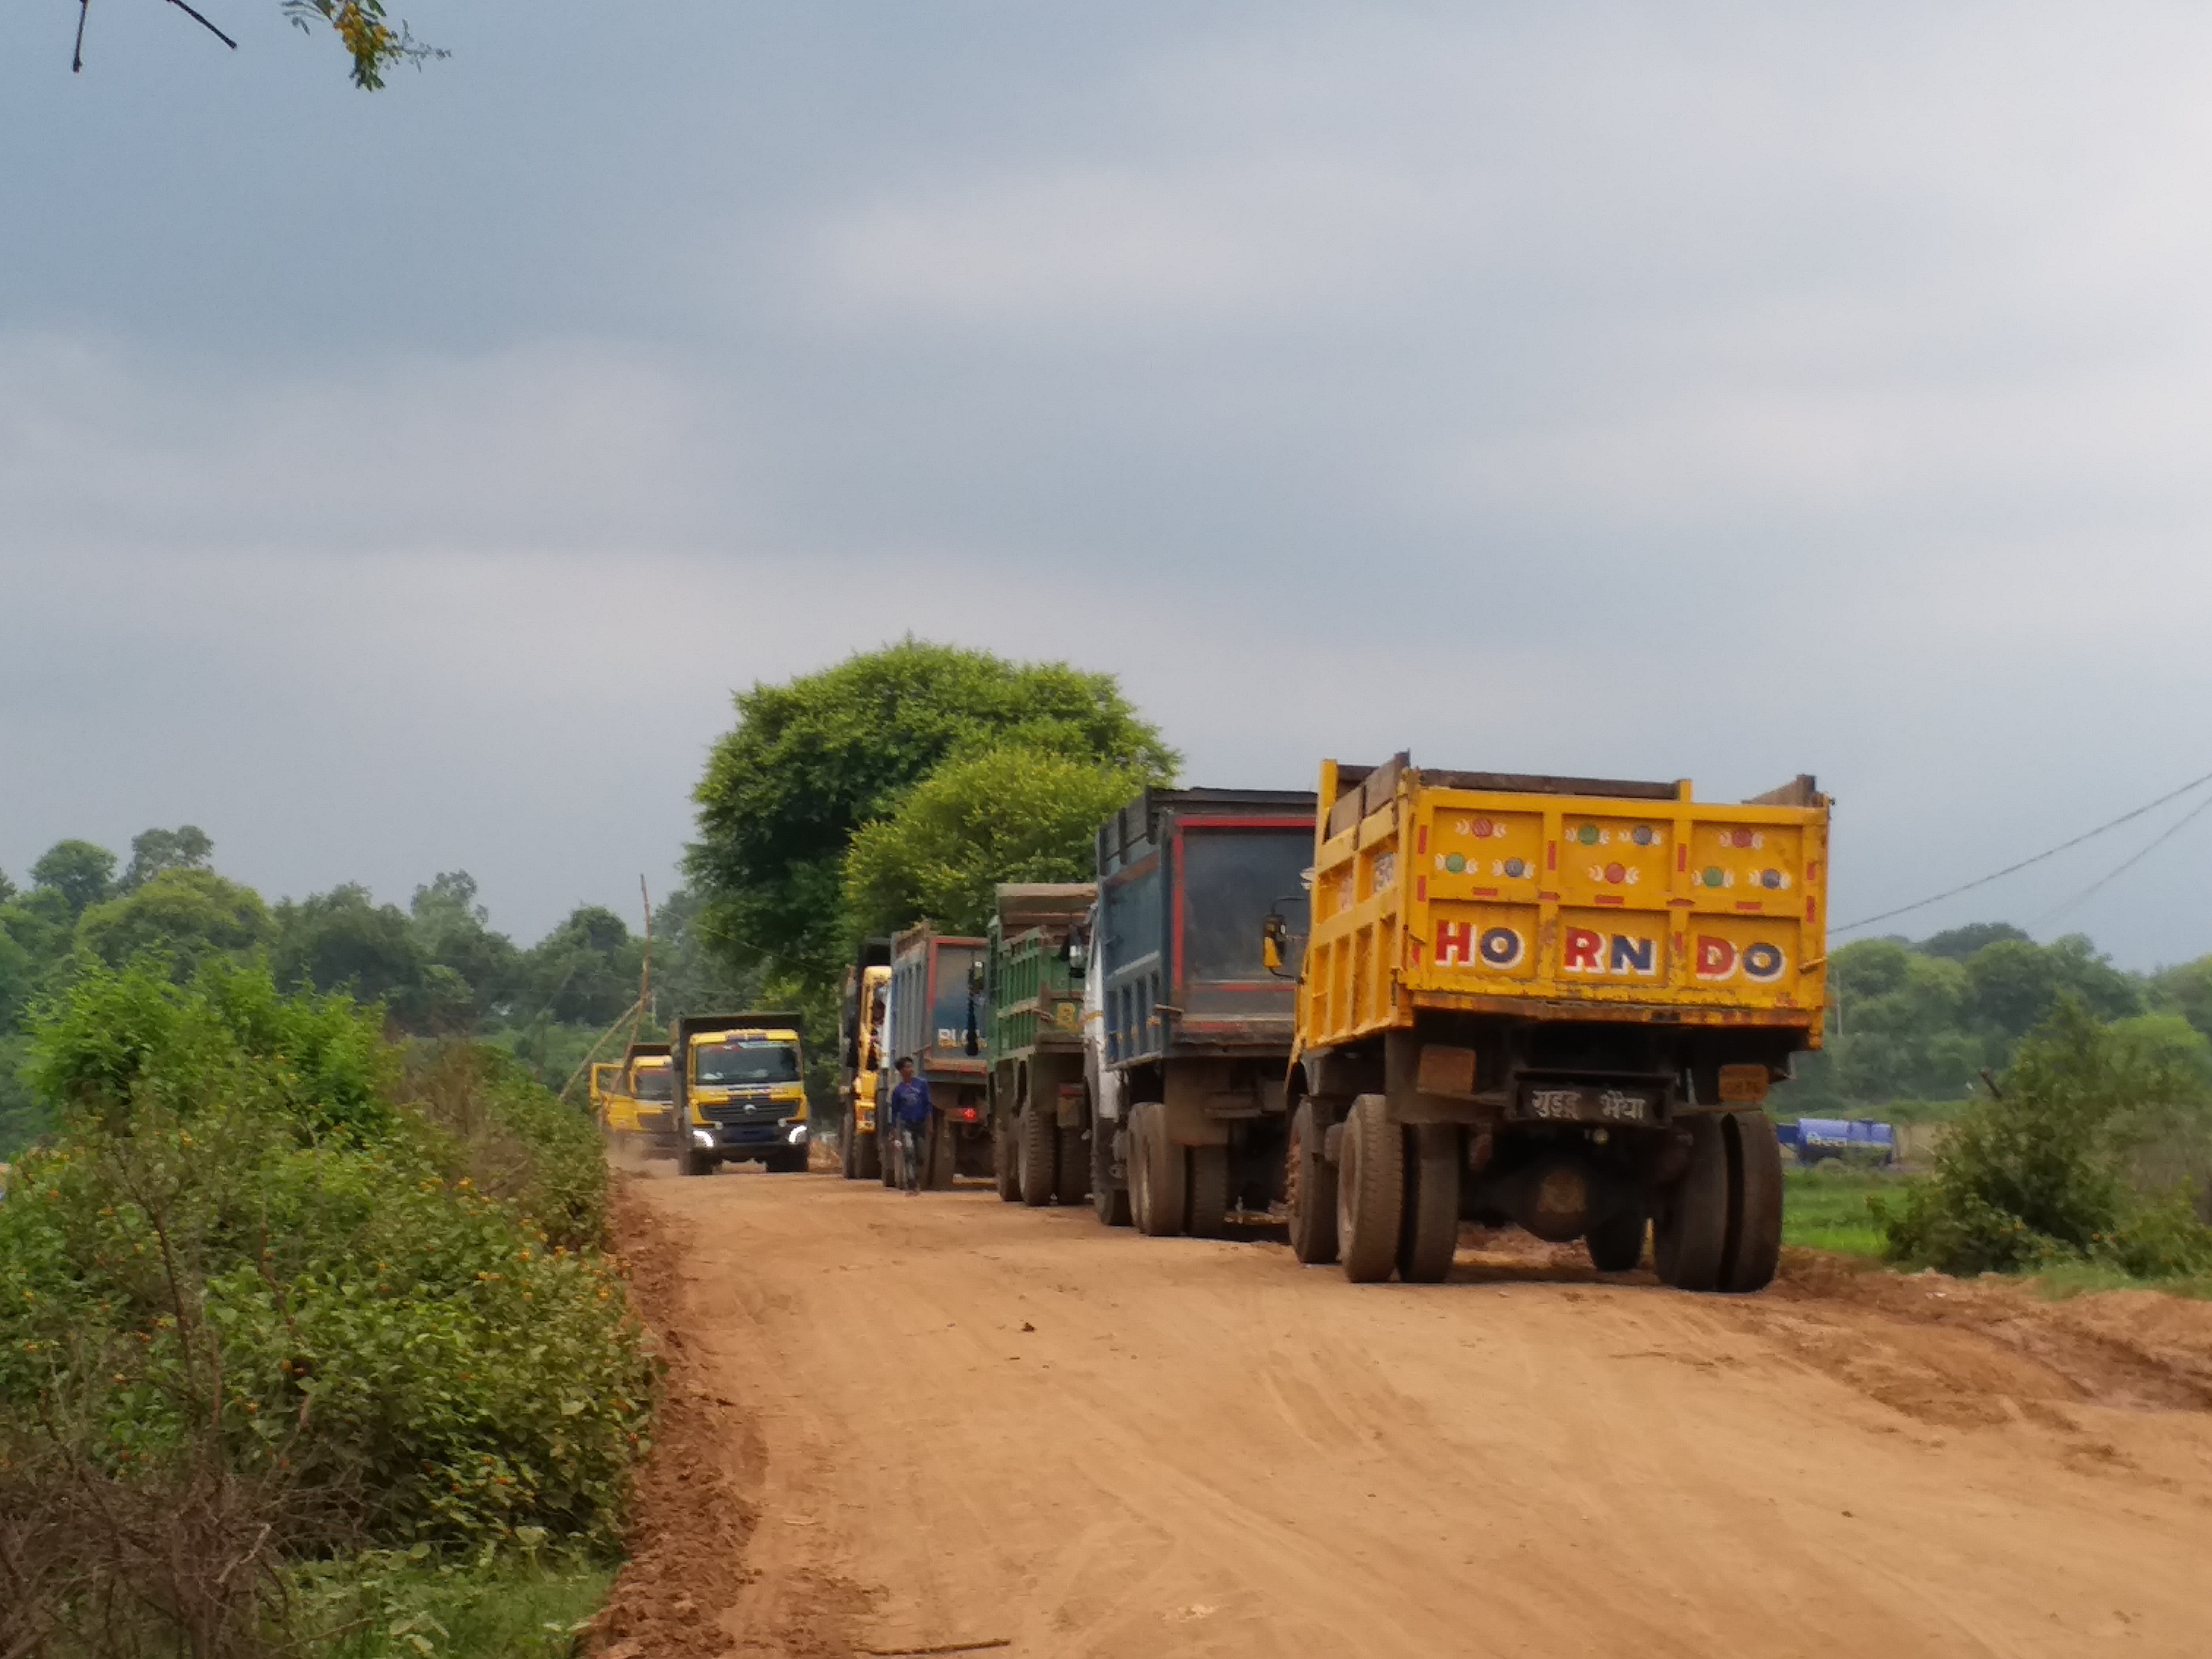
(639, 1098)
(739, 1092)
(1556, 1002)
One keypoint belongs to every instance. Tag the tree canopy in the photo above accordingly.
(812, 759)
(1002, 815)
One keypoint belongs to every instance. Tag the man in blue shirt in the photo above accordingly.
(910, 1107)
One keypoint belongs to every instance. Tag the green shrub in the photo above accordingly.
(2043, 1170)
(275, 1281)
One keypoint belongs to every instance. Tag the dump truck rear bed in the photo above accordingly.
(1555, 898)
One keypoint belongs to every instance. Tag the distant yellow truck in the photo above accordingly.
(637, 1096)
(1557, 1002)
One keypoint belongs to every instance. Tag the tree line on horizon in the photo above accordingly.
(438, 966)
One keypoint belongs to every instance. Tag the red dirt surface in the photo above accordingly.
(945, 1424)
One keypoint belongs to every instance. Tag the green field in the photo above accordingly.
(1826, 1209)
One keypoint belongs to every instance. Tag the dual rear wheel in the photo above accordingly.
(1719, 1228)
(1397, 1196)
(1173, 1189)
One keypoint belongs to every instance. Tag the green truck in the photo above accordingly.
(1037, 946)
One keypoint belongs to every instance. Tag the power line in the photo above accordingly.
(2128, 864)
(2051, 853)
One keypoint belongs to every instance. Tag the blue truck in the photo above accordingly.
(1188, 1028)
(1856, 1139)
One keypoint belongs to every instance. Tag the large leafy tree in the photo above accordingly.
(1003, 815)
(82, 873)
(185, 847)
(812, 761)
(190, 916)
(457, 936)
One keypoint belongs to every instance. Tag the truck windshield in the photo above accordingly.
(731, 1065)
(659, 1084)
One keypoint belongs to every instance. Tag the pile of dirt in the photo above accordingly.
(2135, 1349)
(690, 1522)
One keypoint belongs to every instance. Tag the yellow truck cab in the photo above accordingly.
(637, 1099)
(739, 1091)
(1555, 1002)
(860, 1046)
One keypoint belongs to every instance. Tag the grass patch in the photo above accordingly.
(400, 1609)
(2065, 1280)
(1826, 1209)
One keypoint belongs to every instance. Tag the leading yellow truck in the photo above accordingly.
(1557, 1002)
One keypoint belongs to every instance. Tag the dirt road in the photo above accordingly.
(944, 1421)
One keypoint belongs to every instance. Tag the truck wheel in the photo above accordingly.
(1110, 1198)
(1039, 1140)
(1157, 1193)
(1616, 1244)
(848, 1161)
(937, 1151)
(1005, 1169)
(1074, 1164)
(1208, 1176)
(867, 1156)
(1753, 1249)
(1691, 1229)
(1430, 1232)
(1371, 1191)
(690, 1160)
(1309, 1191)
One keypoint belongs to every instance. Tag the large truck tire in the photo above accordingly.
(867, 1156)
(1309, 1181)
(1616, 1244)
(1110, 1198)
(1208, 1176)
(1690, 1232)
(1005, 1163)
(1038, 1137)
(1157, 1199)
(1429, 1235)
(1074, 1164)
(1753, 1249)
(690, 1160)
(1371, 1191)
(848, 1150)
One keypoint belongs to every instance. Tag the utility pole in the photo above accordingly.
(645, 984)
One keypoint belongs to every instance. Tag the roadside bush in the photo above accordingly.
(2050, 1168)
(259, 1309)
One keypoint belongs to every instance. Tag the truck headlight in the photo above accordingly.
(798, 1135)
(703, 1139)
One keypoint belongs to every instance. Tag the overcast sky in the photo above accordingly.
(401, 483)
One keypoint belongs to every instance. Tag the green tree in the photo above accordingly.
(190, 916)
(585, 972)
(344, 940)
(2044, 1169)
(185, 848)
(1959, 943)
(456, 936)
(2014, 985)
(2188, 990)
(689, 977)
(812, 761)
(1003, 815)
(80, 873)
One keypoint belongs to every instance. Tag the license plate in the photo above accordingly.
(1578, 1102)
